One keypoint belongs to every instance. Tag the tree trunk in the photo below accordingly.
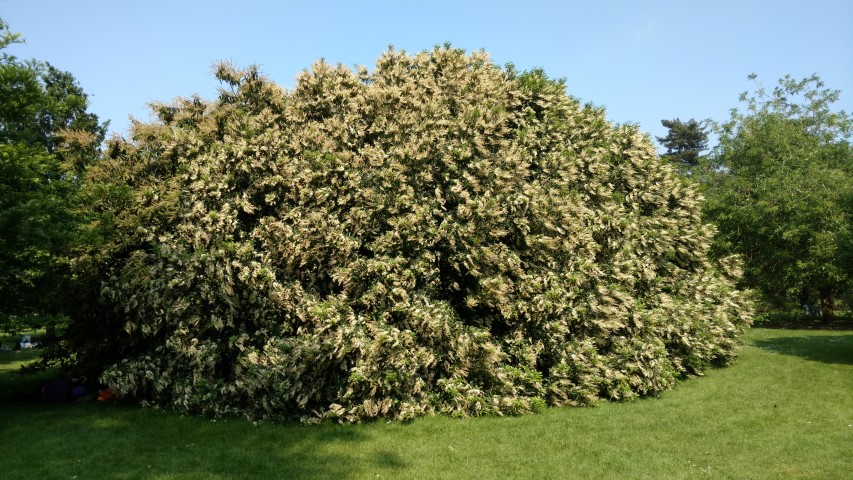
(827, 304)
(805, 296)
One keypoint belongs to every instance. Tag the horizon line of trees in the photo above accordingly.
(779, 189)
(778, 186)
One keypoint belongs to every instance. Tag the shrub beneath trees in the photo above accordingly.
(437, 235)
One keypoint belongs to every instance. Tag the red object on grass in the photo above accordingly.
(106, 395)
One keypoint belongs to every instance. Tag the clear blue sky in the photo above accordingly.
(642, 60)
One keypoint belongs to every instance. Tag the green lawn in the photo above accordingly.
(783, 410)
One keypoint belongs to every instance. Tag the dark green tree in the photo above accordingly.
(782, 198)
(47, 138)
(684, 142)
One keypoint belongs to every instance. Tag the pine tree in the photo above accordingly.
(684, 143)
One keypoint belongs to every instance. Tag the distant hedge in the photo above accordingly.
(438, 234)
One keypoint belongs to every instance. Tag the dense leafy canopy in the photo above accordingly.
(46, 140)
(437, 235)
(784, 195)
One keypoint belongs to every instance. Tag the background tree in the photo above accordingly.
(47, 139)
(684, 142)
(782, 199)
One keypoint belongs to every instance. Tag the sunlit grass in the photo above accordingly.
(14, 385)
(783, 410)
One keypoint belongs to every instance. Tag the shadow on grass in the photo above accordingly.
(16, 385)
(834, 349)
(125, 441)
(388, 459)
(122, 440)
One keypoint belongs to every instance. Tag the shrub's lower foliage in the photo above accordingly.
(437, 236)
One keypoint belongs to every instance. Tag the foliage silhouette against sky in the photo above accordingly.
(643, 61)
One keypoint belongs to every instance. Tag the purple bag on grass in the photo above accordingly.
(56, 391)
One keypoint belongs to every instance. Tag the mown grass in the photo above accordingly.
(783, 410)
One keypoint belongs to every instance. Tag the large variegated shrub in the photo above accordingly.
(435, 235)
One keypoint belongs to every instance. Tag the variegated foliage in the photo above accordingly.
(436, 235)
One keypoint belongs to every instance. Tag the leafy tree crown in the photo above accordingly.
(434, 235)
